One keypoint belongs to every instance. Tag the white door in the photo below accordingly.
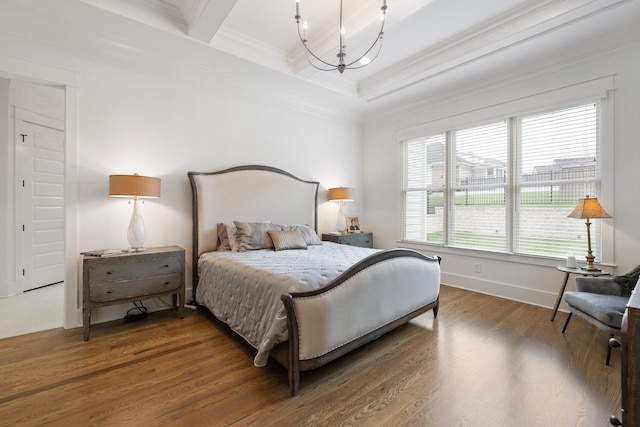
(39, 168)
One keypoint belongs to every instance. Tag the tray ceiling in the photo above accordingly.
(426, 42)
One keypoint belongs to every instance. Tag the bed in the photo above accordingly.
(303, 307)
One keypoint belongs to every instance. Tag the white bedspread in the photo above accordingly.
(243, 289)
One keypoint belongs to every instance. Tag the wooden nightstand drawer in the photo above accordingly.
(138, 288)
(364, 240)
(130, 269)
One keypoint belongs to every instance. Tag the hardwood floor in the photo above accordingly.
(484, 361)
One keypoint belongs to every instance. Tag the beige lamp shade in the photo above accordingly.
(342, 194)
(589, 208)
(134, 186)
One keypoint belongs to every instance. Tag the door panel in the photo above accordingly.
(40, 204)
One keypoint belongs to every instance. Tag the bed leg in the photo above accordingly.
(294, 380)
(294, 350)
(435, 309)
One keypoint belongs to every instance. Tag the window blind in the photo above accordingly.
(479, 191)
(509, 184)
(558, 165)
(424, 161)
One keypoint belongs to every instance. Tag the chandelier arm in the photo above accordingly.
(341, 66)
(379, 39)
(309, 52)
(349, 66)
(333, 67)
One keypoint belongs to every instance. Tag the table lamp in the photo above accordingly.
(585, 209)
(341, 195)
(135, 186)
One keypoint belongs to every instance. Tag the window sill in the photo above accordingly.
(541, 261)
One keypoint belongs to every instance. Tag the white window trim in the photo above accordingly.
(600, 89)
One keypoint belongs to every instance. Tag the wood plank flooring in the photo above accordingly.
(484, 361)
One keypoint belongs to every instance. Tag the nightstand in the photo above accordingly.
(133, 276)
(364, 240)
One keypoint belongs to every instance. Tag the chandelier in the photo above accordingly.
(342, 65)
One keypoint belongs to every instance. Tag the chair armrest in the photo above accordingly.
(597, 285)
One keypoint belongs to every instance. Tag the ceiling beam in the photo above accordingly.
(205, 17)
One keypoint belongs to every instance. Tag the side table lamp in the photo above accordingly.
(135, 186)
(341, 195)
(585, 209)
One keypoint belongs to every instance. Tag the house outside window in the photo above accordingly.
(505, 186)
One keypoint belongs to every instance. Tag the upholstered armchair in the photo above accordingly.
(599, 301)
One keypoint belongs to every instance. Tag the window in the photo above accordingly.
(424, 185)
(505, 186)
(479, 189)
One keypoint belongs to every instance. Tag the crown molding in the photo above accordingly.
(163, 14)
(237, 44)
(521, 25)
(543, 68)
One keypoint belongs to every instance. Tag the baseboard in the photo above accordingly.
(503, 290)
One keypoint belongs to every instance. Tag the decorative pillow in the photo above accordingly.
(227, 240)
(310, 237)
(233, 238)
(289, 239)
(253, 235)
(223, 238)
(628, 281)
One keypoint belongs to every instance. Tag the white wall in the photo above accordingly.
(162, 115)
(138, 123)
(530, 280)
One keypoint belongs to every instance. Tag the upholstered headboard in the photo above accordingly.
(247, 193)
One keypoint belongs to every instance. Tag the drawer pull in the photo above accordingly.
(166, 283)
(165, 266)
(108, 272)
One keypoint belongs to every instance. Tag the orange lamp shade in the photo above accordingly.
(344, 194)
(134, 186)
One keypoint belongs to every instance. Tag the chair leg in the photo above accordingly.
(612, 343)
(566, 323)
(609, 347)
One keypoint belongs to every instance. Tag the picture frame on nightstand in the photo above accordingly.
(353, 224)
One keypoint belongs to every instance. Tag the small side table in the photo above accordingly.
(118, 279)
(567, 272)
(364, 239)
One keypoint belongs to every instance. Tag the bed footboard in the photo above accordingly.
(374, 296)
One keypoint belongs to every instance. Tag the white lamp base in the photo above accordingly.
(342, 221)
(137, 234)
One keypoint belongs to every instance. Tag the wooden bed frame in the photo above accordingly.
(374, 296)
